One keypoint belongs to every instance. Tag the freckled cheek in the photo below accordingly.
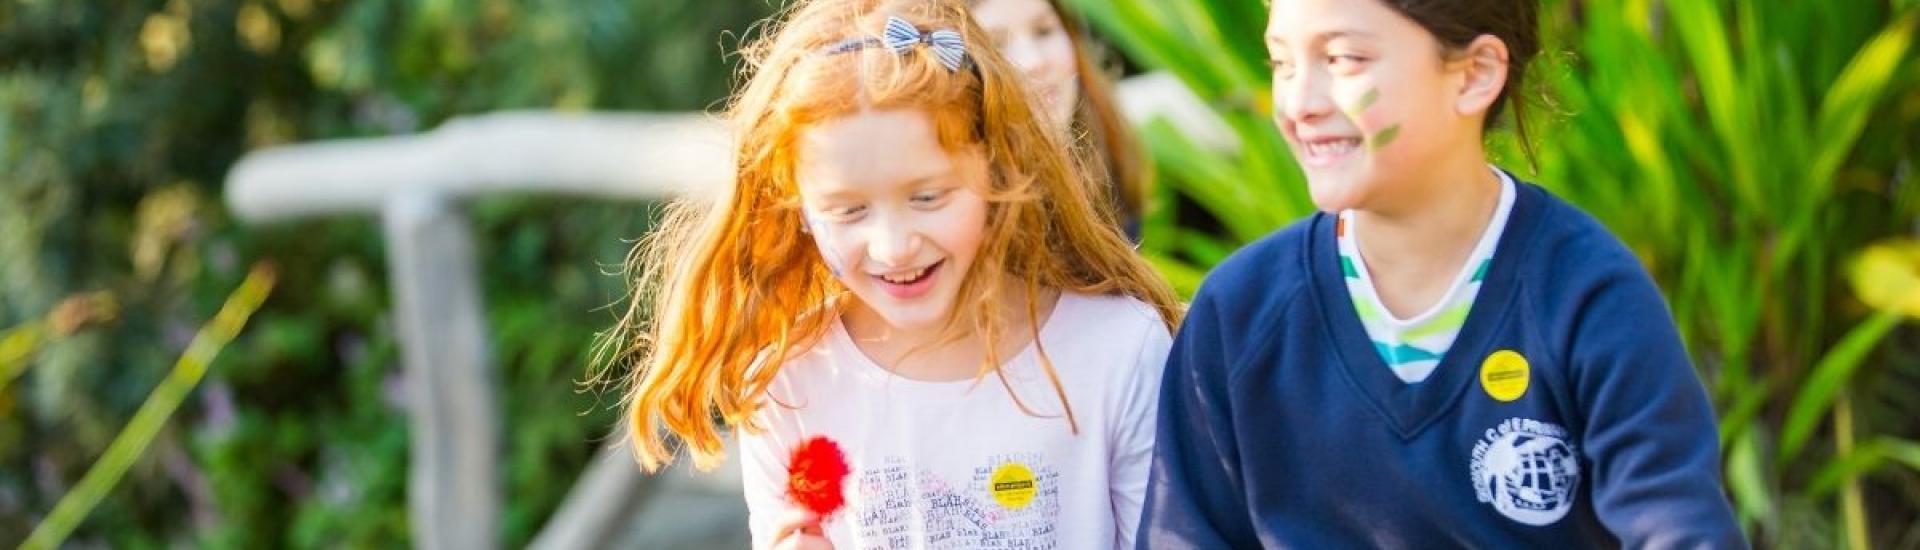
(1059, 53)
(846, 249)
(841, 248)
(965, 237)
(966, 230)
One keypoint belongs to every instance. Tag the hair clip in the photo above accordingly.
(901, 36)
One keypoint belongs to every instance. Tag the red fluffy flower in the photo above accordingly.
(816, 474)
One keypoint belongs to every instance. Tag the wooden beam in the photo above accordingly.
(620, 156)
(453, 477)
(643, 156)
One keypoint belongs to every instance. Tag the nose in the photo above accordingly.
(1024, 55)
(892, 242)
(1304, 97)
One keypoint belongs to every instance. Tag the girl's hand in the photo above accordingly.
(800, 530)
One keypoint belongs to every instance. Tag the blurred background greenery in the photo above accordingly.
(118, 123)
(1757, 154)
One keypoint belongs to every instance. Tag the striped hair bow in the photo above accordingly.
(901, 36)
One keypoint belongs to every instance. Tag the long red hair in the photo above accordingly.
(729, 285)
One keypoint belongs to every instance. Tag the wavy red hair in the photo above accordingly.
(727, 285)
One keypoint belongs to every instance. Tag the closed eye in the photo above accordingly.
(1345, 63)
(930, 199)
(1281, 68)
(844, 214)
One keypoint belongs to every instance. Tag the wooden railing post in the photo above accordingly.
(453, 482)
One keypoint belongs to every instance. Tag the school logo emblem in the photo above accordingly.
(1527, 470)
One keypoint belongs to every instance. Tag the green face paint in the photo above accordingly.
(1380, 140)
(1367, 101)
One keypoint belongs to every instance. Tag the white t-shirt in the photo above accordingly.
(940, 465)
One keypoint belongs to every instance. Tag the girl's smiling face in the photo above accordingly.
(1367, 98)
(897, 218)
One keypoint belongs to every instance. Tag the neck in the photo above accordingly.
(1430, 228)
(925, 353)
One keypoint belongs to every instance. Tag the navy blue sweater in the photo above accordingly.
(1566, 414)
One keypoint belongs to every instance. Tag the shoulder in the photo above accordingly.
(1586, 290)
(812, 364)
(1260, 281)
(1117, 344)
(1105, 331)
(1112, 315)
(1564, 235)
(1569, 256)
(1280, 256)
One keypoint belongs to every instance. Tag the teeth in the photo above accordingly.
(905, 278)
(1332, 148)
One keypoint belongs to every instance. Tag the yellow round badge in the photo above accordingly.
(1504, 375)
(1013, 486)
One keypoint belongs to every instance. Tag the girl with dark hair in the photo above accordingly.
(1445, 356)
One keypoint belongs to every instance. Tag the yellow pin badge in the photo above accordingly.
(1505, 375)
(1013, 485)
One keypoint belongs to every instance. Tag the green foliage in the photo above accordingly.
(1250, 190)
(159, 406)
(1745, 150)
(118, 122)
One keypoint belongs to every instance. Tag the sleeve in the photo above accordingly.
(1194, 497)
(763, 477)
(1650, 433)
(1132, 431)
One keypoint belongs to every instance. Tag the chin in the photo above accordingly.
(1333, 194)
(920, 315)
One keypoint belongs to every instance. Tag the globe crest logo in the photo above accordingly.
(1527, 470)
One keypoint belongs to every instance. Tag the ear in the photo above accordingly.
(1483, 74)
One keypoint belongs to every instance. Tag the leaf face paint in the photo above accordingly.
(1366, 101)
(1357, 113)
(1381, 139)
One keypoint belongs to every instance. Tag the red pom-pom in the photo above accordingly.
(816, 474)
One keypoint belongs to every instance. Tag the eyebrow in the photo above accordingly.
(1275, 40)
(842, 192)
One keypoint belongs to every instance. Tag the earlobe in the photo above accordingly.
(1485, 74)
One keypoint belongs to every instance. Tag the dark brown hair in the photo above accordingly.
(1457, 22)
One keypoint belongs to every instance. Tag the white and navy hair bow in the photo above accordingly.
(901, 36)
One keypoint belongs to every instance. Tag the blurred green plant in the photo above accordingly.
(159, 406)
(118, 121)
(1745, 150)
(1747, 155)
(1247, 190)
